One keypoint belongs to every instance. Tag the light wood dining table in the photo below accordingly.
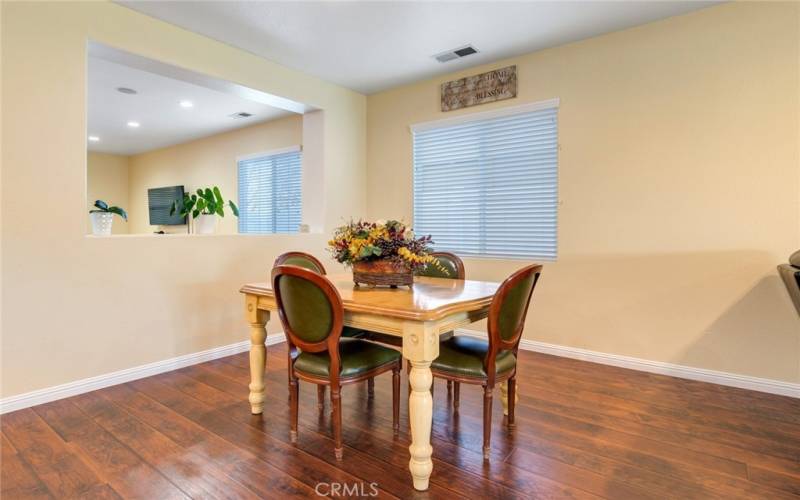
(417, 314)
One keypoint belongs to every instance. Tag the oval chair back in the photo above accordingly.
(449, 261)
(507, 314)
(300, 259)
(310, 309)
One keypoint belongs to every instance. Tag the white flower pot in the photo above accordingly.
(101, 223)
(206, 224)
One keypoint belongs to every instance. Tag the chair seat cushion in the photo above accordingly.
(358, 357)
(464, 356)
(356, 333)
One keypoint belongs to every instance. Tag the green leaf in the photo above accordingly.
(219, 210)
(201, 204)
(218, 196)
(234, 208)
(195, 214)
(199, 192)
(119, 211)
(172, 208)
(101, 205)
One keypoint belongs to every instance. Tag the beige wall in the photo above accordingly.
(679, 170)
(210, 161)
(107, 180)
(115, 303)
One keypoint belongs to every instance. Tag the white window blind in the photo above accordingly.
(269, 192)
(489, 186)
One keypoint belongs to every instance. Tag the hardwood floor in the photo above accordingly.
(583, 431)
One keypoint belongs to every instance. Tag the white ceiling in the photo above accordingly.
(163, 122)
(373, 46)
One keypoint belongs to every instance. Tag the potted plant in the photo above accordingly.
(382, 252)
(102, 217)
(204, 207)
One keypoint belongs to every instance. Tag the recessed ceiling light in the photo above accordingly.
(133, 124)
(126, 90)
(93, 138)
(187, 104)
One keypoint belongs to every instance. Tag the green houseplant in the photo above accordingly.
(102, 217)
(204, 205)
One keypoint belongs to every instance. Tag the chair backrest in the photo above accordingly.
(508, 311)
(453, 265)
(310, 309)
(300, 259)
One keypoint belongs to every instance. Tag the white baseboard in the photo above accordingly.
(48, 394)
(673, 370)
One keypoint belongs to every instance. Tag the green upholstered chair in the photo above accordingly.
(308, 261)
(312, 315)
(300, 259)
(452, 264)
(486, 363)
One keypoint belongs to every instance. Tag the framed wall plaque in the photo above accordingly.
(495, 85)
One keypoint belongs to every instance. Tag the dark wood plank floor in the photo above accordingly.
(583, 431)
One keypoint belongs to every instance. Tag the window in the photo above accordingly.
(487, 185)
(269, 192)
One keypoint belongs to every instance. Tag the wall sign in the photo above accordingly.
(491, 86)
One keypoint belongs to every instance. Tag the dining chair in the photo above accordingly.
(451, 267)
(301, 259)
(476, 361)
(308, 261)
(312, 315)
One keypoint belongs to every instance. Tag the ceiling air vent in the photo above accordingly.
(241, 114)
(458, 53)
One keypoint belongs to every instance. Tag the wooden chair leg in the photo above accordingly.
(512, 400)
(487, 420)
(294, 398)
(371, 387)
(320, 396)
(456, 394)
(396, 399)
(336, 402)
(289, 373)
(449, 386)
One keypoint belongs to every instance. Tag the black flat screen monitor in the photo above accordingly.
(160, 202)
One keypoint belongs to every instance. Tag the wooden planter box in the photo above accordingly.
(382, 272)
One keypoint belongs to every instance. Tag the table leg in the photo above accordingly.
(504, 395)
(258, 352)
(420, 347)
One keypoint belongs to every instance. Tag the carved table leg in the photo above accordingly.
(504, 395)
(258, 353)
(420, 347)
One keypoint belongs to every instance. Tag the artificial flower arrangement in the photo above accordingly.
(381, 252)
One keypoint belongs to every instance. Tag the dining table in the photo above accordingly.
(417, 314)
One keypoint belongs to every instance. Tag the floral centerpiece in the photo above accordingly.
(381, 252)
